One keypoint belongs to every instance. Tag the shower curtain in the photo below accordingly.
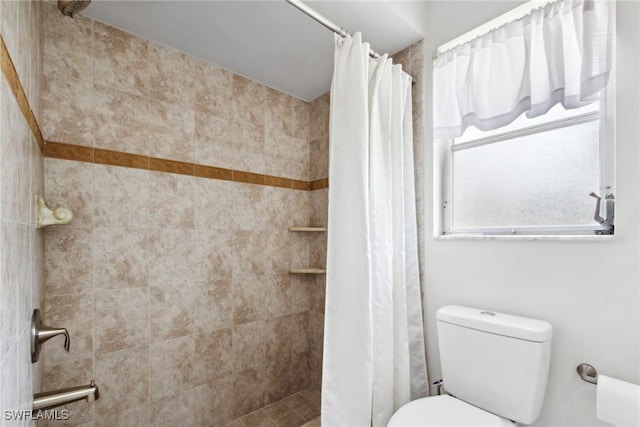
(374, 360)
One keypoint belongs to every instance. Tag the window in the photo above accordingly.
(533, 176)
(527, 175)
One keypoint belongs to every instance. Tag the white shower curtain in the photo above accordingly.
(374, 360)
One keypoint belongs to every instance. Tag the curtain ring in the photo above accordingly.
(340, 41)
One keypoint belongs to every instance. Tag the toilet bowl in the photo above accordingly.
(440, 411)
(494, 368)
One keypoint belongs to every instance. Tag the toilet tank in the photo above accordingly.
(495, 361)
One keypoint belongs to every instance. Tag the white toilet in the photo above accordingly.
(494, 365)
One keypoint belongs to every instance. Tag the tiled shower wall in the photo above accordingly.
(174, 288)
(21, 178)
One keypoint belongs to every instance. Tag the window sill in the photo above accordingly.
(527, 237)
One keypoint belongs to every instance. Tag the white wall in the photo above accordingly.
(589, 291)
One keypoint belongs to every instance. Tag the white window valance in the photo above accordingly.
(559, 53)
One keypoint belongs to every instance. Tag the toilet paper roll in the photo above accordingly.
(617, 402)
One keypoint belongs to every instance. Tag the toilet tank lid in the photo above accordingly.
(496, 323)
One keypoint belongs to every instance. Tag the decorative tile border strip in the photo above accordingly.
(59, 150)
(10, 73)
(319, 184)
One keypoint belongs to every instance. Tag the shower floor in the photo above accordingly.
(301, 408)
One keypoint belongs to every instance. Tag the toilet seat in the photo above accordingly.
(440, 411)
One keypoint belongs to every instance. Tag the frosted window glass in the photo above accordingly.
(536, 180)
(555, 113)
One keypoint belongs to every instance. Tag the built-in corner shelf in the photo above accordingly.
(308, 229)
(308, 270)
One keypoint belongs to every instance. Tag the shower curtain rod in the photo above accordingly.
(321, 19)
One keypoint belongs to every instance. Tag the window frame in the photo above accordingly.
(443, 173)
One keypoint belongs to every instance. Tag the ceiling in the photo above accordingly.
(268, 41)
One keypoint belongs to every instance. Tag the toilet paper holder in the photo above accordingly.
(588, 373)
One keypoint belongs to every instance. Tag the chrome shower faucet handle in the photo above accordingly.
(41, 333)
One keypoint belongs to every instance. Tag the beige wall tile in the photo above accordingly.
(171, 75)
(248, 346)
(26, 35)
(10, 283)
(318, 126)
(279, 112)
(301, 207)
(278, 212)
(121, 120)
(319, 201)
(278, 359)
(15, 150)
(70, 185)
(121, 197)
(172, 313)
(173, 410)
(300, 299)
(299, 324)
(9, 25)
(248, 249)
(171, 369)
(123, 380)
(318, 249)
(67, 109)
(299, 249)
(214, 255)
(279, 243)
(9, 375)
(213, 402)
(300, 152)
(214, 142)
(172, 132)
(81, 414)
(74, 312)
(213, 201)
(121, 319)
(278, 153)
(214, 90)
(65, 373)
(172, 257)
(134, 417)
(68, 261)
(278, 292)
(120, 258)
(318, 159)
(214, 356)
(214, 306)
(300, 378)
(171, 201)
(302, 119)
(249, 206)
(120, 60)
(248, 102)
(248, 299)
(317, 294)
(258, 419)
(248, 389)
(132, 334)
(67, 48)
(229, 143)
(316, 331)
(315, 373)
